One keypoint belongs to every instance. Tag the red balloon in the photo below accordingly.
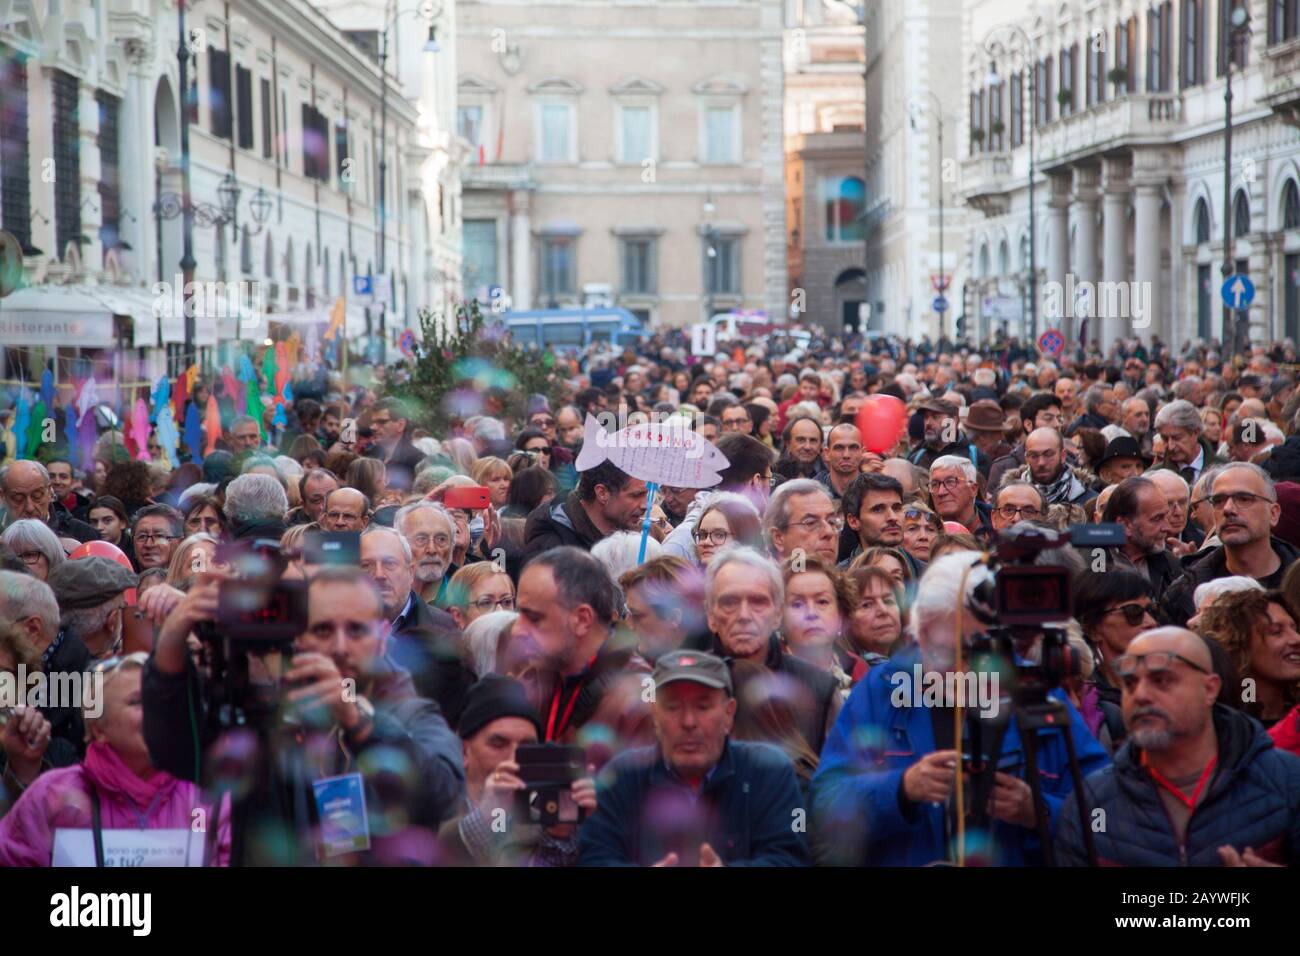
(881, 421)
(106, 549)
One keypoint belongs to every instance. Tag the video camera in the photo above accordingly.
(1023, 599)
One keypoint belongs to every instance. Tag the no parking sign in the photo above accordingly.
(1051, 342)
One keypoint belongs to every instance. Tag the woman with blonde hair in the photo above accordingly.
(461, 452)
(494, 474)
(193, 556)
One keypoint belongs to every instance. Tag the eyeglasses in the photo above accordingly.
(1133, 612)
(1029, 512)
(1242, 499)
(439, 540)
(543, 422)
(951, 483)
(917, 514)
(147, 538)
(488, 603)
(31, 557)
(813, 522)
(539, 450)
(716, 538)
(377, 422)
(1156, 662)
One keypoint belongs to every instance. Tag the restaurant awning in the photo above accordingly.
(60, 316)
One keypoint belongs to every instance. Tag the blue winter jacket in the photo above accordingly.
(859, 814)
(1253, 801)
(750, 811)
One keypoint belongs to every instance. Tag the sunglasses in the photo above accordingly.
(1133, 612)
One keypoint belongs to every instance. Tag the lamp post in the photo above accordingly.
(710, 254)
(187, 262)
(1239, 25)
(430, 11)
(1019, 41)
(915, 107)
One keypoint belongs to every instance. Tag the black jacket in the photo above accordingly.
(410, 764)
(744, 811)
(963, 447)
(1208, 565)
(556, 524)
(1251, 802)
(1086, 420)
(814, 711)
(591, 686)
(424, 643)
(1283, 462)
(251, 530)
(402, 463)
(65, 525)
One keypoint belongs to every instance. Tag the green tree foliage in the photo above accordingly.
(467, 365)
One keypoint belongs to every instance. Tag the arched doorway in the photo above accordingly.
(850, 293)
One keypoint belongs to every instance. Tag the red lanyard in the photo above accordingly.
(553, 732)
(1189, 802)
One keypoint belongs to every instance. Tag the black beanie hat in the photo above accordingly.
(494, 697)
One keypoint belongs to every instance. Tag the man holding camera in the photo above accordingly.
(498, 718)
(346, 712)
(884, 793)
(696, 798)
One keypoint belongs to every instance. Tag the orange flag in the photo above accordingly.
(212, 425)
(336, 320)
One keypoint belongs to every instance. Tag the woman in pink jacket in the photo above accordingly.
(116, 775)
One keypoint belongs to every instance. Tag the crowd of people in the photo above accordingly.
(718, 677)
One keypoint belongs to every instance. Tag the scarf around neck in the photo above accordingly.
(1063, 489)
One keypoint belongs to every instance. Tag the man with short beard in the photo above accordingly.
(430, 530)
(1197, 783)
(1140, 508)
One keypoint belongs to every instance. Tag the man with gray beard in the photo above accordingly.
(1197, 783)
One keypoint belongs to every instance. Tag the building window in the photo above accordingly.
(722, 265)
(1202, 222)
(1240, 214)
(219, 92)
(67, 162)
(110, 173)
(245, 251)
(315, 144)
(558, 265)
(1282, 24)
(15, 181)
(266, 119)
(342, 155)
(1043, 92)
(846, 206)
(721, 135)
(268, 260)
(479, 262)
(978, 134)
(636, 134)
(1290, 206)
(996, 127)
(1067, 97)
(1193, 27)
(1096, 89)
(193, 99)
(1017, 110)
(556, 122)
(1125, 40)
(1159, 31)
(639, 266)
(244, 92)
(469, 124)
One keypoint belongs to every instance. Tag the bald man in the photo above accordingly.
(841, 459)
(1048, 470)
(346, 509)
(1196, 784)
(28, 494)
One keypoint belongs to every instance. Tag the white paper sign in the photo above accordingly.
(76, 847)
(666, 453)
(704, 338)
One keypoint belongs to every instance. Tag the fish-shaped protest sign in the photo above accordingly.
(662, 453)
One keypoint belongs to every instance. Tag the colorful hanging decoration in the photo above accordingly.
(212, 424)
(194, 433)
(139, 431)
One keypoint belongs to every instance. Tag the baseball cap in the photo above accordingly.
(696, 666)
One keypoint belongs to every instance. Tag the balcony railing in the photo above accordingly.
(986, 182)
(1282, 80)
(1131, 119)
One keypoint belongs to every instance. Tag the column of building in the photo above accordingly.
(1114, 269)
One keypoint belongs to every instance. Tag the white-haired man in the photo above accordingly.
(1187, 451)
(883, 790)
(256, 507)
(743, 600)
(430, 530)
(801, 517)
(954, 488)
